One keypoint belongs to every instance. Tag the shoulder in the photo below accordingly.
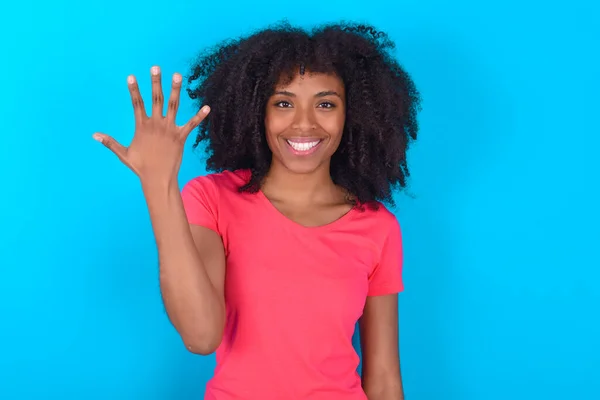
(213, 190)
(211, 200)
(218, 184)
(378, 226)
(378, 218)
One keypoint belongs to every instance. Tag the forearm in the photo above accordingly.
(386, 393)
(384, 388)
(190, 298)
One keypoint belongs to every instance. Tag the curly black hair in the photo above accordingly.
(238, 76)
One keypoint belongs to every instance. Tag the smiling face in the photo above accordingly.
(304, 122)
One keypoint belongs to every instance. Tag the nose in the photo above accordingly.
(304, 120)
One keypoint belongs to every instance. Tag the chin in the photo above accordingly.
(301, 167)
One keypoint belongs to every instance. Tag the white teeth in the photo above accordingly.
(303, 146)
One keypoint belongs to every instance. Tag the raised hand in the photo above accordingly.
(156, 150)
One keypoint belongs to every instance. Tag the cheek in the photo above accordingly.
(275, 125)
(334, 127)
(273, 128)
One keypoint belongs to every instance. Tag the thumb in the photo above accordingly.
(111, 144)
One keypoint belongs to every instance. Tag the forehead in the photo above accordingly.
(309, 80)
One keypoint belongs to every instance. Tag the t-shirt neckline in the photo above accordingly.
(273, 210)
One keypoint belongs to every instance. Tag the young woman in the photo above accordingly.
(272, 258)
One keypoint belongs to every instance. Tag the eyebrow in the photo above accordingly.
(320, 94)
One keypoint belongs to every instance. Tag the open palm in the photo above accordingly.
(156, 150)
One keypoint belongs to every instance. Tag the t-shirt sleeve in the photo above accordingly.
(386, 277)
(200, 199)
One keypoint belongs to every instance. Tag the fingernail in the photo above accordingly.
(206, 109)
(97, 137)
(155, 70)
(130, 79)
(176, 78)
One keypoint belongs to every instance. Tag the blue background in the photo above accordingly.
(501, 240)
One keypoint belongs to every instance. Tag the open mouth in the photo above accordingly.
(304, 146)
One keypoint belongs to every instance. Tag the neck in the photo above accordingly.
(284, 184)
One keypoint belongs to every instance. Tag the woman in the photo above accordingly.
(272, 258)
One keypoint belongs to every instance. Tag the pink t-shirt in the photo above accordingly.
(293, 293)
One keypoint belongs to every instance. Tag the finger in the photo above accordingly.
(136, 99)
(111, 144)
(195, 121)
(173, 103)
(157, 94)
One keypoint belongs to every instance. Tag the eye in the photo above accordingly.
(326, 104)
(283, 104)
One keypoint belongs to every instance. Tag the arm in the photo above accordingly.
(192, 270)
(191, 258)
(381, 378)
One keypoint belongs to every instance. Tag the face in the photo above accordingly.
(304, 122)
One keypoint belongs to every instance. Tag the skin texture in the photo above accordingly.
(381, 377)
(363, 125)
(310, 107)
